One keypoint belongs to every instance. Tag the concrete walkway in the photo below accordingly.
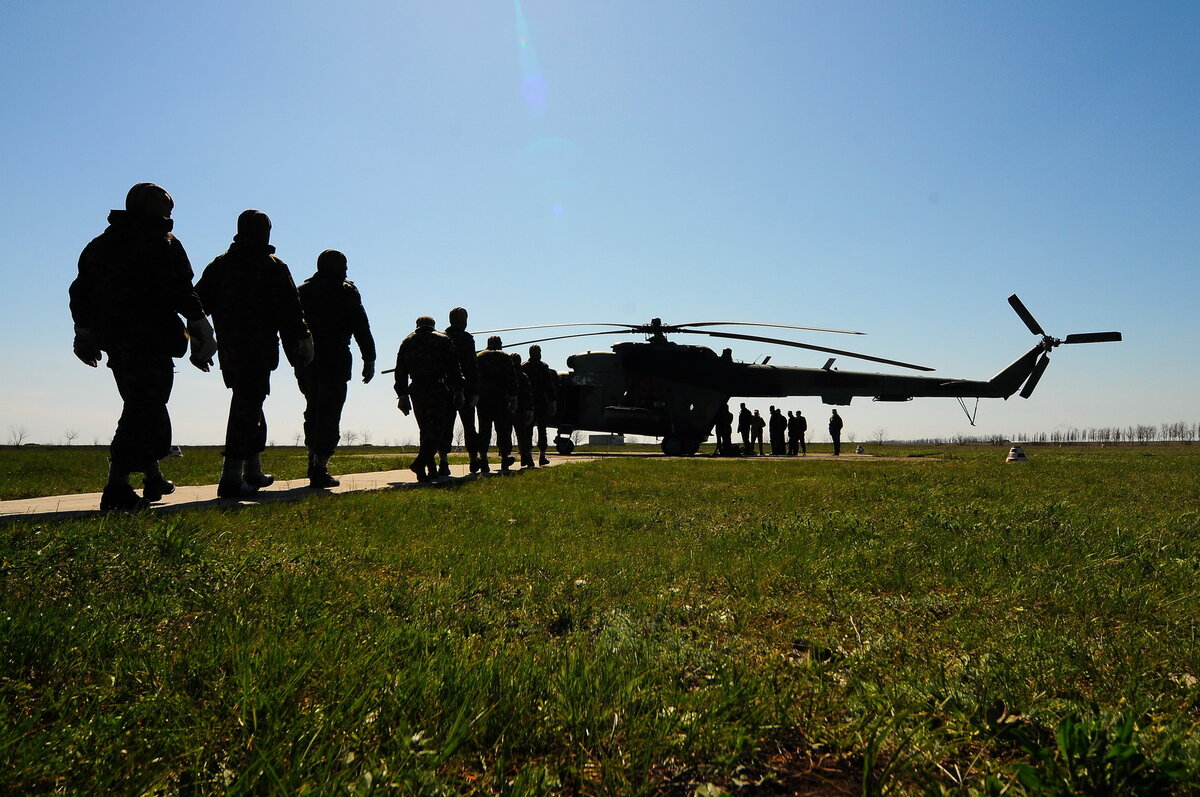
(62, 506)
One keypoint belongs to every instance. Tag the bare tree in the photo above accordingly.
(17, 435)
(879, 435)
(349, 437)
(71, 434)
(365, 434)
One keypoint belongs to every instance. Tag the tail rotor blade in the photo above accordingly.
(1035, 376)
(1026, 316)
(1092, 337)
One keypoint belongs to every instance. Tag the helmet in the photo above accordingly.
(254, 227)
(458, 317)
(331, 262)
(148, 199)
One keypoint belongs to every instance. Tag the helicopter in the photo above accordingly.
(672, 391)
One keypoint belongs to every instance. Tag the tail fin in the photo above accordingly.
(1009, 380)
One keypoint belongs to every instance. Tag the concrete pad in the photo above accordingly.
(62, 506)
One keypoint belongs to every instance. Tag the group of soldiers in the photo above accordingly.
(440, 375)
(135, 282)
(787, 433)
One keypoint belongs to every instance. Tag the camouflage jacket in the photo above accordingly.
(427, 358)
(334, 311)
(252, 299)
(543, 381)
(464, 344)
(132, 286)
(497, 375)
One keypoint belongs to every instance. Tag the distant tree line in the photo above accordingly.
(1177, 432)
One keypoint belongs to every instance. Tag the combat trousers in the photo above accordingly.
(324, 396)
(432, 407)
(495, 417)
(793, 446)
(470, 436)
(246, 430)
(778, 447)
(837, 442)
(143, 433)
(524, 434)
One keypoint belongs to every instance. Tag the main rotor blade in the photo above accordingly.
(1034, 376)
(564, 337)
(1092, 337)
(549, 326)
(779, 342)
(754, 324)
(1026, 316)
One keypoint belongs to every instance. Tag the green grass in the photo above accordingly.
(955, 625)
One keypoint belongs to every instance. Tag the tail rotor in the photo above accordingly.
(1049, 343)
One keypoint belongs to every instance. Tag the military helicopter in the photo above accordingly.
(673, 391)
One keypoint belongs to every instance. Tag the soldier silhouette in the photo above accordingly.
(253, 301)
(522, 419)
(429, 383)
(334, 311)
(464, 345)
(835, 432)
(497, 402)
(543, 381)
(134, 282)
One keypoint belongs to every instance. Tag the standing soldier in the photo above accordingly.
(251, 296)
(523, 417)
(134, 282)
(757, 424)
(543, 381)
(723, 427)
(464, 344)
(429, 383)
(797, 426)
(745, 424)
(835, 432)
(778, 432)
(334, 312)
(497, 402)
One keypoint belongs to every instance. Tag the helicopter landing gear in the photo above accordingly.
(674, 445)
(565, 445)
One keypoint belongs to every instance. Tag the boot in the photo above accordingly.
(232, 485)
(118, 494)
(506, 463)
(483, 464)
(254, 475)
(154, 484)
(544, 460)
(318, 473)
(443, 470)
(527, 461)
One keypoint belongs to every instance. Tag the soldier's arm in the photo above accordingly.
(360, 327)
(400, 373)
(289, 314)
(185, 300)
(82, 290)
(451, 366)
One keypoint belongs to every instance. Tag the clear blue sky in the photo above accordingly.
(898, 168)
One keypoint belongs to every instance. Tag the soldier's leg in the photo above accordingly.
(470, 436)
(524, 434)
(542, 442)
(324, 431)
(486, 423)
(504, 438)
(143, 434)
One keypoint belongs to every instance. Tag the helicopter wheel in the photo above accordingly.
(565, 445)
(676, 446)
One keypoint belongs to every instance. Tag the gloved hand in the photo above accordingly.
(304, 350)
(368, 371)
(404, 403)
(459, 399)
(203, 343)
(85, 346)
(512, 405)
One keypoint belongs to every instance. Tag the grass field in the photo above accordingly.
(931, 625)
